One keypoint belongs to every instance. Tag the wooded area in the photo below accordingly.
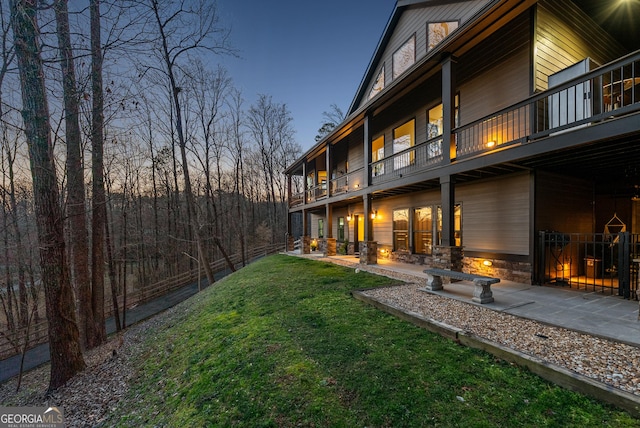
(127, 156)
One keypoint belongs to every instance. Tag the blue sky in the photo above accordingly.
(306, 54)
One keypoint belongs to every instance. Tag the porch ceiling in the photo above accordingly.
(614, 161)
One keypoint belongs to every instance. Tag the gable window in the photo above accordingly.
(320, 228)
(404, 57)
(401, 229)
(438, 31)
(403, 138)
(340, 228)
(377, 154)
(378, 84)
(423, 230)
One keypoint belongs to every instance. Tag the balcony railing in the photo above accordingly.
(407, 161)
(348, 182)
(296, 199)
(605, 93)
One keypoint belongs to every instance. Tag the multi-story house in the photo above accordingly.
(494, 136)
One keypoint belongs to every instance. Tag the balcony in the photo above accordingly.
(599, 96)
(604, 94)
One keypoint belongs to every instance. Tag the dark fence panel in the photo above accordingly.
(602, 262)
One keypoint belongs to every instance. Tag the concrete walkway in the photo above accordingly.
(595, 313)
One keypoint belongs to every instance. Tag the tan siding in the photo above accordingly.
(356, 150)
(495, 215)
(496, 74)
(564, 36)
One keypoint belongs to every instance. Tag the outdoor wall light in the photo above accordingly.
(491, 144)
(487, 263)
(349, 217)
(356, 186)
(374, 214)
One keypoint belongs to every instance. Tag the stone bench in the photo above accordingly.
(482, 284)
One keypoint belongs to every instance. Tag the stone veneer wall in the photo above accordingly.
(503, 269)
(405, 256)
(330, 247)
(369, 253)
(447, 258)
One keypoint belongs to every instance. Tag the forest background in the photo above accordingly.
(127, 149)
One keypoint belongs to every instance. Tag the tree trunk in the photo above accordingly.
(75, 178)
(64, 343)
(98, 219)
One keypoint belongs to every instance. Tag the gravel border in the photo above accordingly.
(612, 363)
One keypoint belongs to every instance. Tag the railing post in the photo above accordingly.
(624, 265)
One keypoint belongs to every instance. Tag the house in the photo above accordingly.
(493, 136)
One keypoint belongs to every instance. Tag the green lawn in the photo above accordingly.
(282, 343)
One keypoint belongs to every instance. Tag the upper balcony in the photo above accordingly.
(600, 96)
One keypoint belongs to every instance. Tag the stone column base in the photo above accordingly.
(369, 253)
(330, 248)
(290, 243)
(306, 245)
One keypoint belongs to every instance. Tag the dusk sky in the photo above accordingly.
(307, 55)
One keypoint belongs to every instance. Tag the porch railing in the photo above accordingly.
(603, 94)
(408, 161)
(348, 182)
(602, 262)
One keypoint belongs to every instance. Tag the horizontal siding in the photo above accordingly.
(496, 73)
(356, 150)
(566, 35)
(495, 215)
(414, 21)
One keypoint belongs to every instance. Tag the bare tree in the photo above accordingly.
(99, 209)
(330, 119)
(64, 343)
(185, 27)
(77, 225)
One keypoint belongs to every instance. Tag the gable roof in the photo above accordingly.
(400, 8)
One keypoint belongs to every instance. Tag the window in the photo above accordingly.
(377, 154)
(320, 228)
(403, 138)
(435, 127)
(457, 225)
(422, 230)
(404, 57)
(340, 228)
(438, 31)
(401, 229)
(378, 85)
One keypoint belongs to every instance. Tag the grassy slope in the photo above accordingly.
(282, 343)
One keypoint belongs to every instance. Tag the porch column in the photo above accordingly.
(304, 190)
(448, 108)
(306, 239)
(329, 164)
(367, 152)
(369, 248)
(330, 249)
